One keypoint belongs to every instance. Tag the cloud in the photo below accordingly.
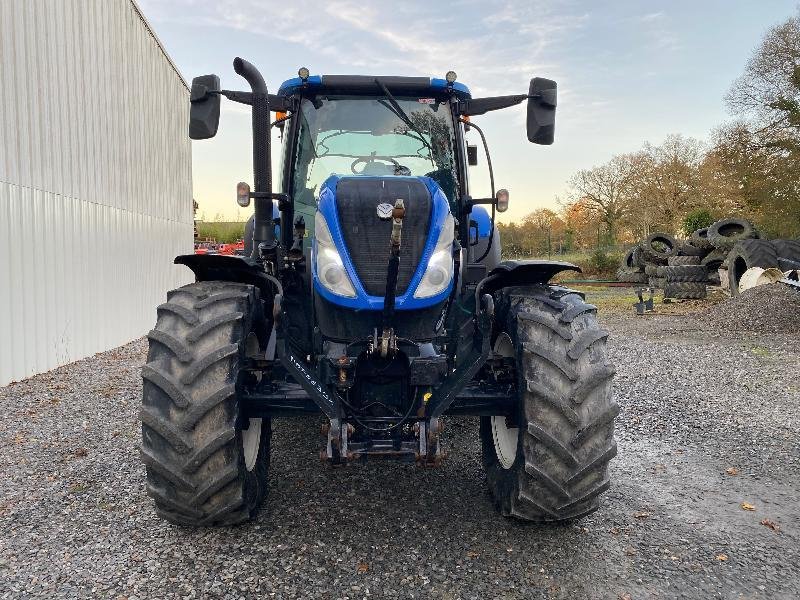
(650, 17)
(498, 45)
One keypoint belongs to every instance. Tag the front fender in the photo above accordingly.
(511, 273)
(221, 267)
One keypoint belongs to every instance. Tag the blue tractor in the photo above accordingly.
(373, 296)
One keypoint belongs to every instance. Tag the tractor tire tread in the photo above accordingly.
(191, 444)
(567, 407)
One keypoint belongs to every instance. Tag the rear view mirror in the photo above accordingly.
(472, 155)
(204, 108)
(542, 100)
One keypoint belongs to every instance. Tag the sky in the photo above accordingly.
(628, 72)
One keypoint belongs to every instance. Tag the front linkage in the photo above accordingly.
(433, 384)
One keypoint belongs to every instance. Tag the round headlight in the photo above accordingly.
(303, 73)
(437, 276)
(450, 77)
(332, 275)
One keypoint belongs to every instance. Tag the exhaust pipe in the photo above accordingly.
(263, 228)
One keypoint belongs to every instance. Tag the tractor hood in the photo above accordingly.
(349, 205)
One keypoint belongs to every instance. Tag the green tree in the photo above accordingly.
(696, 219)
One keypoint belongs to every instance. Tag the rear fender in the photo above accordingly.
(511, 273)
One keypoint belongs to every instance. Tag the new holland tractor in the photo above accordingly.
(373, 297)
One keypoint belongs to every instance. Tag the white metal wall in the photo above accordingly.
(95, 180)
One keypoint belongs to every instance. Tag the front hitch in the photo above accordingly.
(387, 343)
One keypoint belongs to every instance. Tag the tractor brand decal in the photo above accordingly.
(320, 390)
(427, 100)
(384, 210)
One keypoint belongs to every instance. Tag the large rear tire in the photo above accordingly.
(205, 465)
(549, 462)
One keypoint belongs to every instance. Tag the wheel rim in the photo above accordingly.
(251, 437)
(505, 438)
(505, 441)
(251, 442)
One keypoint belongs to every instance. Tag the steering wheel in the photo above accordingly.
(367, 160)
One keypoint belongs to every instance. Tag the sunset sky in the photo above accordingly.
(628, 71)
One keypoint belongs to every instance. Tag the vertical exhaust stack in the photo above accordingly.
(263, 230)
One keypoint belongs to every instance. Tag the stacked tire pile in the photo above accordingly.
(685, 269)
(660, 261)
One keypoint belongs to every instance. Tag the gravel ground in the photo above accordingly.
(709, 422)
(765, 309)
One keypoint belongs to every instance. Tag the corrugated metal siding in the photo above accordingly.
(95, 180)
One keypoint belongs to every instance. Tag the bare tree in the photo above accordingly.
(768, 93)
(666, 180)
(605, 189)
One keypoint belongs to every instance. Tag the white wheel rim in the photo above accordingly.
(251, 442)
(505, 438)
(505, 442)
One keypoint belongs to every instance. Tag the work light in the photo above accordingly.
(501, 200)
(243, 194)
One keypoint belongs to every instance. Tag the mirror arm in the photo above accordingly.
(276, 103)
(283, 199)
(469, 202)
(479, 106)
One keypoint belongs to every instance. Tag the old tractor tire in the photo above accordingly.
(675, 261)
(689, 273)
(657, 282)
(651, 270)
(699, 239)
(713, 278)
(683, 290)
(726, 232)
(688, 249)
(549, 461)
(715, 260)
(633, 259)
(625, 275)
(787, 249)
(747, 254)
(658, 247)
(204, 467)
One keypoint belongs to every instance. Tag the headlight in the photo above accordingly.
(330, 269)
(439, 272)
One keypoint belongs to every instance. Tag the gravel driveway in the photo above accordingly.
(708, 426)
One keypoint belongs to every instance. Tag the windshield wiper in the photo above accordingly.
(401, 114)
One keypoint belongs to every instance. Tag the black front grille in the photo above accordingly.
(367, 237)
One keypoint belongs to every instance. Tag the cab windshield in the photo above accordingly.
(367, 136)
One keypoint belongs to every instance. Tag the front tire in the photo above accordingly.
(564, 426)
(205, 464)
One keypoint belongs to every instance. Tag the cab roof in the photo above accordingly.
(365, 85)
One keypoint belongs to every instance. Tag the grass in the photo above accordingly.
(223, 231)
(609, 299)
